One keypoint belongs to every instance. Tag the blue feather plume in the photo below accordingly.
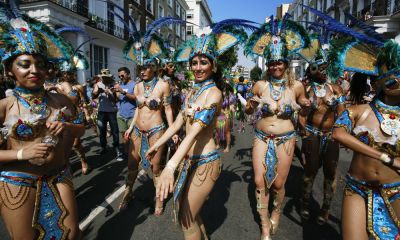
(369, 30)
(5, 13)
(134, 30)
(285, 18)
(234, 22)
(72, 29)
(14, 8)
(159, 23)
(334, 25)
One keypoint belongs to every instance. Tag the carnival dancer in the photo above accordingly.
(69, 86)
(197, 158)
(225, 118)
(37, 198)
(280, 97)
(319, 149)
(370, 202)
(153, 96)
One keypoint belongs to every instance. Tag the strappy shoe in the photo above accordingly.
(86, 169)
(158, 211)
(266, 225)
(323, 217)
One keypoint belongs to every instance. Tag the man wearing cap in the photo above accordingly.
(107, 111)
(126, 102)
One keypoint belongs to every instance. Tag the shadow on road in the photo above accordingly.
(291, 209)
(122, 224)
(214, 209)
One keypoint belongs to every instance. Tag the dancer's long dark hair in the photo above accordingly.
(359, 87)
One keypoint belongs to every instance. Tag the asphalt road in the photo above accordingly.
(229, 213)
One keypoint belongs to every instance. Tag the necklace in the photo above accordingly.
(149, 87)
(35, 101)
(199, 88)
(276, 94)
(319, 89)
(388, 117)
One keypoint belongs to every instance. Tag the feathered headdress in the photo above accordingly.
(78, 60)
(389, 59)
(353, 51)
(21, 34)
(147, 47)
(277, 39)
(215, 40)
(316, 52)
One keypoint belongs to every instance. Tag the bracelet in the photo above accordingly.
(170, 166)
(20, 154)
(386, 159)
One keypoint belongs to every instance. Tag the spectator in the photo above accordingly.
(126, 102)
(107, 111)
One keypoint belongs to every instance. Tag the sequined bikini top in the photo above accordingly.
(279, 103)
(320, 91)
(374, 137)
(28, 126)
(195, 113)
(151, 102)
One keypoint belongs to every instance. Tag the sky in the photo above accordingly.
(255, 10)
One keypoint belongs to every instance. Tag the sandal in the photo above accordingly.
(323, 217)
(87, 169)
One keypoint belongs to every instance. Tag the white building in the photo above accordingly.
(199, 14)
(105, 50)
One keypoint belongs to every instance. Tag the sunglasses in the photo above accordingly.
(121, 76)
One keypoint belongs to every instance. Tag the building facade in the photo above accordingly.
(108, 33)
(199, 14)
(174, 34)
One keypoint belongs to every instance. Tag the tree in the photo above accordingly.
(228, 59)
(255, 73)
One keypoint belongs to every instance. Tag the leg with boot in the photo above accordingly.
(310, 150)
(262, 195)
(329, 166)
(284, 152)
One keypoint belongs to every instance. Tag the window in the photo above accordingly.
(189, 30)
(169, 3)
(160, 11)
(189, 16)
(148, 21)
(183, 15)
(178, 9)
(183, 33)
(149, 5)
(170, 26)
(98, 59)
(178, 31)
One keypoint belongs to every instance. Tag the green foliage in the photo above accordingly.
(255, 73)
(228, 59)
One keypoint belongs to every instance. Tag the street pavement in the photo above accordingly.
(229, 213)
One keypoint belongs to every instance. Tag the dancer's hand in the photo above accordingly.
(55, 128)
(36, 154)
(127, 134)
(396, 163)
(175, 138)
(151, 152)
(165, 184)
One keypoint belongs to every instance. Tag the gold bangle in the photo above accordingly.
(20, 154)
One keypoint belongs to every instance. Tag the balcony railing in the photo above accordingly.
(77, 6)
(105, 25)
